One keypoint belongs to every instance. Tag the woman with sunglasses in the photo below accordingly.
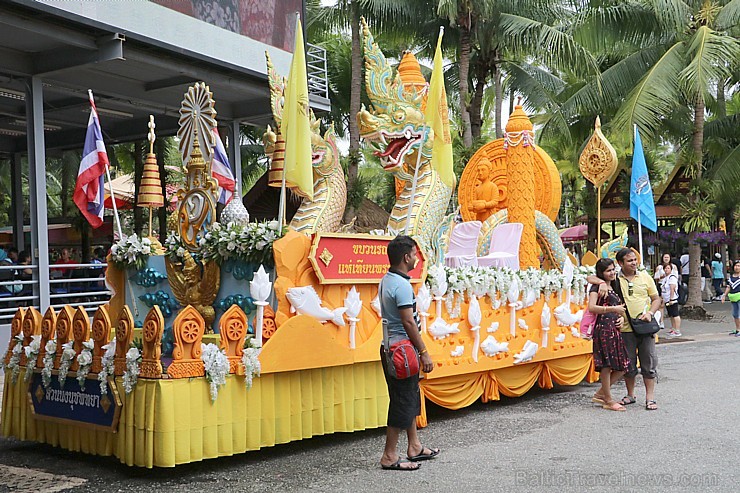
(610, 353)
(732, 291)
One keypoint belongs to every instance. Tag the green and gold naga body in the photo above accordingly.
(395, 127)
(323, 213)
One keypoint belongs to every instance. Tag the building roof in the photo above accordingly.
(131, 73)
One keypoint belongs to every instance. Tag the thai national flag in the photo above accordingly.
(89, 191)
(221, 171)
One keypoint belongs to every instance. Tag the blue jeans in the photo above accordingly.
(717, 283)
(736, 309)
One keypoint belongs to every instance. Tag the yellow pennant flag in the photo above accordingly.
(295, 126)
(437, 118)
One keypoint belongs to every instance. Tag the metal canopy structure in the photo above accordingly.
(131, 79)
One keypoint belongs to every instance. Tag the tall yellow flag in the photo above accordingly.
(295, 126)
(437, 118)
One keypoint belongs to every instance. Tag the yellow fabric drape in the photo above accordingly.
(458, 391)
(173, 421)
(168, 422)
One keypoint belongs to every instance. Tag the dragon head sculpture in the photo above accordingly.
(395, 126)
(324, 153)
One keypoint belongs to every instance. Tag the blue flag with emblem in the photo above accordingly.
(642, 206)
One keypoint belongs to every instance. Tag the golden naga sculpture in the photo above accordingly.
(323, 213)
(394, 128)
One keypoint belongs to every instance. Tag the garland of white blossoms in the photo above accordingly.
(32, 353)
(14, 363)
(250, 243)
(84, 362)
(131, 375)
(51, 353)
(106, 364)
(495, 281)
(217, 367)
(68, 354)
(251, 363)
(131, 251)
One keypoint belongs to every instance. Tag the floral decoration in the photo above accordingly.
(68, 354)
(32, 353)
(106, 363)
(51, 353)
(251, 363)
(133, 366)
(131, 251)
(14, 364)
(217, 367)
(84, 361)
(251, 243)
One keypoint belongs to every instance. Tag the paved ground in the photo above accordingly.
(545, 441)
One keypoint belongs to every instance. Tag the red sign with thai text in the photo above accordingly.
(354, 259)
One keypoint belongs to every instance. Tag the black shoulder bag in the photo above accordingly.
(639, 327)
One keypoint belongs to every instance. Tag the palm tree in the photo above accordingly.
(678, 51)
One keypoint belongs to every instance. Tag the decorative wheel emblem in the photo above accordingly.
(197, 113)
(150, 330)
(190, 331)
(234, 330)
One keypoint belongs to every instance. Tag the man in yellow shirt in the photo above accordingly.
(642, 301)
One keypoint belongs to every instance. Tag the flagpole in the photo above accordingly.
(598, 221)
(639, 235)
(418, 156)
(416, 175)
(110, 184)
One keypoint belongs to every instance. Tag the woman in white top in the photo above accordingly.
(669, 289)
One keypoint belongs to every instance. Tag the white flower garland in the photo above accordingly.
(131, 251)
(51, 353)
(84, 361)
(32, 354)
(217, 367)
(252, 365)
(131, 375)
(106, 363)
(495, 281)
(14, 364)
(68, 354)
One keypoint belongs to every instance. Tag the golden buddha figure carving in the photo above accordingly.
(487, 193)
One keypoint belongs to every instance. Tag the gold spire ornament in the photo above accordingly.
(598, 162)
(150, 192)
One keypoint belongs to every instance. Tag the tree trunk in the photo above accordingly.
(730, 226)
(465, 48)
(498, 103)
(476, 118)
(721, 99)
(354, 105)
(511, 101)
(694, 300)
(138, 173)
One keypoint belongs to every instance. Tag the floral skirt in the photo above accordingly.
(609, 348)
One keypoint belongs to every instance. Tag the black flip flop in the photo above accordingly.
(431, 455)
(396, 466)
(627, 400)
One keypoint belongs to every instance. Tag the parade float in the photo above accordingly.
(235, 335)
